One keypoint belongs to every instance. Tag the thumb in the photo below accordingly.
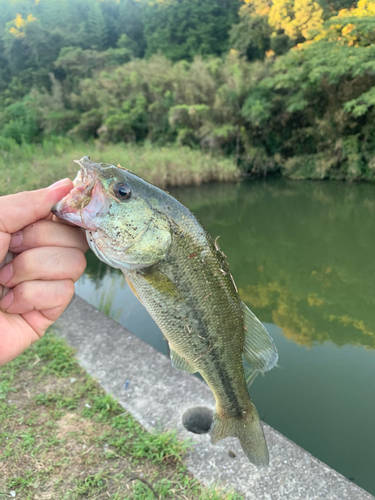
(22, 209)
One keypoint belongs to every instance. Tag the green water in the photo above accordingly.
(302, 255)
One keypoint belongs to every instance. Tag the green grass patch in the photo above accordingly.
(62, 437)
(31, 166)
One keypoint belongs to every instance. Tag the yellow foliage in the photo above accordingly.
(284, 310)
(302, 17)
(296, 17)
(364, 8)
(308, 16)
(294, 325)
(345, 34)
(287, 309)
(347, 29)
(280, 14)
(259, 7)
(314, 300)
(19, 21)
(355, 323)
(15, 32)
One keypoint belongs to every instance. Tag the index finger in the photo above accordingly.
(47, 233)
(22, 209)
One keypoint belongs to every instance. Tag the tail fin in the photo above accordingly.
(248, 430)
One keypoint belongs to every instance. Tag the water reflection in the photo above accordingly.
(301, 254)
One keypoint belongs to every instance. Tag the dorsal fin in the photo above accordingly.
(259, 348)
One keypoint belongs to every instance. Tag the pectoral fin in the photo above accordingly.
(259, 349)
(161, 283)
(131, 286)
(180, 363)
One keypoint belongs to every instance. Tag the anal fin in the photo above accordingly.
(178, 362)
(259, 349)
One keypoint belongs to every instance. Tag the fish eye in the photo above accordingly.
(122, 191)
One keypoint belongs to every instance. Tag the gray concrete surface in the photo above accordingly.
(157, 395)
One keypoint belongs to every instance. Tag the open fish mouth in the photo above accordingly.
(70, 208)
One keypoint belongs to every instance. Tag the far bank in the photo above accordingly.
(32, 166)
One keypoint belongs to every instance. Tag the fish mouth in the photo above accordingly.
(71, 206)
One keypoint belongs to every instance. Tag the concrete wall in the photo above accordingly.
(157, 395)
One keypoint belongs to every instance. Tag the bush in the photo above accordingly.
(19, 123)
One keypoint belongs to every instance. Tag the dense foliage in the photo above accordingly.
(283, 85)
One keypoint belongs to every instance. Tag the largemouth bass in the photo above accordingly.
(182, 277)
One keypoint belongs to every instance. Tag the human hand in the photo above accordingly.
(40, 259)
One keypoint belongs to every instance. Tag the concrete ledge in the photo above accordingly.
(157, 395)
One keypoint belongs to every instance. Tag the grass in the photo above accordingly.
(31, 166)
(62, 437)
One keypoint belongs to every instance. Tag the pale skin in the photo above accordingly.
(47, 256)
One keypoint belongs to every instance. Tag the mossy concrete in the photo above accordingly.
(148, 387)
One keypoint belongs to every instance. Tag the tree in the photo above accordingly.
(251, 36)
(277, 25)
(181, 29)
(130, 23)
(30, 51)
(296, 18)
(96, 28)
(325, 87)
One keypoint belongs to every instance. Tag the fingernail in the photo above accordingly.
(16, 239)
(58, 183)
(7, 301)
(6, 273)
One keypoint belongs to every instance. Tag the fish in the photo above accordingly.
(181, 276)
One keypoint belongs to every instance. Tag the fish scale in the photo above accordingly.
(189, 324)
(183, 279)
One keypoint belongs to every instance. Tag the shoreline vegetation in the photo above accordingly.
(32, 166)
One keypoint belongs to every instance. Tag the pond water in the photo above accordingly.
(302, 255)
